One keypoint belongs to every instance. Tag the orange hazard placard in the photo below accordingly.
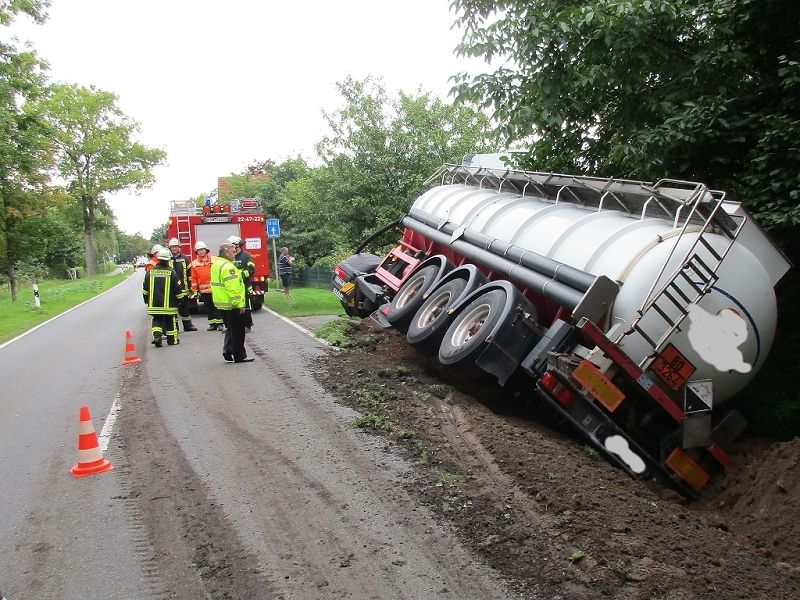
(672, 367)
(598, 385)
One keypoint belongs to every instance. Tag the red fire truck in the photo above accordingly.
(213, 224)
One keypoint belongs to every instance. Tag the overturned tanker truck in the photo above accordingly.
(634, 309)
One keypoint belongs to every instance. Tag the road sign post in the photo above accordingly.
(274, 231)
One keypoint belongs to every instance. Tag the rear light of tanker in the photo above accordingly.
(340, 273)
(561, 392)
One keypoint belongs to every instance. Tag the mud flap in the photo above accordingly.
(379, 318)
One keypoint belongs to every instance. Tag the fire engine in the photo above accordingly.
(215, 223)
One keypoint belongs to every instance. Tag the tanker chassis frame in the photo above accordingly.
(525, 319)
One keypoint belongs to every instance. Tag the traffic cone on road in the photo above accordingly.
(90, 457)
(130, 350)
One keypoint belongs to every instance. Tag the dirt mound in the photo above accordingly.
(550, 514)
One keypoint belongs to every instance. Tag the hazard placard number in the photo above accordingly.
(672, 367)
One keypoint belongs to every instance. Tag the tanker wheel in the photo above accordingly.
(427, 328)
(408, 300)
(465, 339)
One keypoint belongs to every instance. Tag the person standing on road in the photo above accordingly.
(162, 292)
(182, 267)
(285, 263)
(201, 284)
(248, 268)
(228, 292)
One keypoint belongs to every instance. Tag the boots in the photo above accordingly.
(189, 326)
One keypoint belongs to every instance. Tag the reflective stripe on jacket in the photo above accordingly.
(161, 290)
(201, 274)
(227, 287)
(182, 267)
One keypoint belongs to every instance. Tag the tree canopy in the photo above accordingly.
(701, 90)
(95, 150)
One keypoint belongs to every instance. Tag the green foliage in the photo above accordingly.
(95, 150)
(24, 151)
(647, 88)
(131, 246)
(159, 235)
(377, 155)
(336, 333)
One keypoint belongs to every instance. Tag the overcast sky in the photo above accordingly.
(221, 84)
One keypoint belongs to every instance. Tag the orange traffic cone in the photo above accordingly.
(90, 457)
(130, 350)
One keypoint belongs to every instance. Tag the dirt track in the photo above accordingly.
(546, 511)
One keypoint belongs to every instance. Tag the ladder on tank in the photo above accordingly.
(697, 274)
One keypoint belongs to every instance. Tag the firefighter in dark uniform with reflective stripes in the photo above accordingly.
(183, 267)
(162, 291)
(244, 261)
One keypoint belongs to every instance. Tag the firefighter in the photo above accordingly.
(246, 265)
(228, 291)
(201, 285)
(162, 291)
(152, 255)
(182, 267)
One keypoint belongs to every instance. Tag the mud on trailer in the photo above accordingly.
(634, 309)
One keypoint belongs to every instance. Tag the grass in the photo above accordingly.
(55, 296)
(305, 302)
(336, 333)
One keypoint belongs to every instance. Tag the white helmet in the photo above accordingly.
(164, 254)
(156, 249)
(234, 239)
(173, 242)
(201, 245)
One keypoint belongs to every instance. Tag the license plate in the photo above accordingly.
(338, 293)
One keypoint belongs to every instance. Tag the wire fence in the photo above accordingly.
(318, 276)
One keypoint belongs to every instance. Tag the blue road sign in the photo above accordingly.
(273, 228)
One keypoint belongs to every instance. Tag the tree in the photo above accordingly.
(701, 90)
(23, 149)
(379, 153)
(95, 151)
(159, 235)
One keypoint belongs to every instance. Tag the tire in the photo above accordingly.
(465, 339)
(256, 302)
(430, 322)
(408, 300)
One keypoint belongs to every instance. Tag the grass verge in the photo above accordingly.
(305, 302)
(55, 296)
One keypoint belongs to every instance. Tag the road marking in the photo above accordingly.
(108, 426)
(297, 326)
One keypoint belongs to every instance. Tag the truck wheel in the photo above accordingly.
(256, 302)
(429, 324)
(408, 300)
(465, 339)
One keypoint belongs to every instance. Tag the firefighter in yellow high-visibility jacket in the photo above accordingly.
(162, 290)
(228, 292)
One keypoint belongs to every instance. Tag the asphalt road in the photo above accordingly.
(229, 481)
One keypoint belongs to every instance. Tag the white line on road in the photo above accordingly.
(108, 426)
(300, 327)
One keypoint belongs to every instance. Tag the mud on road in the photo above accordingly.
(546, 511)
